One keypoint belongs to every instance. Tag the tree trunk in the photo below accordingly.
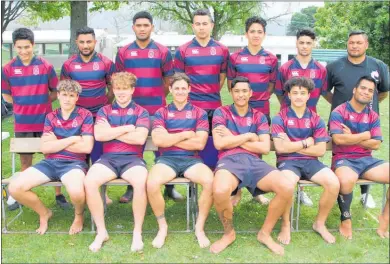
(78, 19)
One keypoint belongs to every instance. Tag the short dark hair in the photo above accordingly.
(367, 78)
(23, 33)
(85, 31)
(240, 79)
(253, 20)
(306, 32)
(180, 76)
(301, 82)
(358, 32)
(143, 14)
(202, 12)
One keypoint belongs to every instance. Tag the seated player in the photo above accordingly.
(355, 130)
(123, 128)
(300, 137)
(180, 130)
(241, 134)
(67, 138)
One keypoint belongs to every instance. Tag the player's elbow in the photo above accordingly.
(376, 146)
(337, 140)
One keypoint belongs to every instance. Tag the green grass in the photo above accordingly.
(182, 247)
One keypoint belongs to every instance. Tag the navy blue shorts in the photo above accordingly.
(360, 165)
(302, 168)
(54, 169)
(248, 169)
(178, 163)
(120, 163)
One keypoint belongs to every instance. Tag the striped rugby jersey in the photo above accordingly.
(150, 65)
(80, 122)
(93, 76)
(115, 115)
(260, 69)
(309, 125)
(367, 120)
(314, 71)
(203, 65)
(190, 118)
(253, 122)
(29, 87)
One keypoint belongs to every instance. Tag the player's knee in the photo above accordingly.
(77, 196)
(139, 184)
(207, 182)
(15, 188)
(285, 187)
(90, 184)
(332, 184)
(221, 192)
(153, 185)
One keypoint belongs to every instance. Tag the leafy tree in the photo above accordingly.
(335, 20)
(9, 12)
(301, 19)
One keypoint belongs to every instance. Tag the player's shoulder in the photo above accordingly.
(41, 60)
(53, 114)
(103, 58)
(198, 110)
(185, 45)
(9, 64)
(286, 66)
(140, 109)
(218, 43)
(124, 48)
(341, 108)
(160, 46)
(84, 113)
(237, 53)
(319, 65)
(336, 63)
(270, 54)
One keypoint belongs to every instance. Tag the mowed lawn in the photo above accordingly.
(365, 247)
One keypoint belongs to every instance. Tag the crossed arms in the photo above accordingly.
(188, 140)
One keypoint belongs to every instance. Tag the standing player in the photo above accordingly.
(344, 73)
(260, 67)
(123, 128)
(241, 134)
(67, 137)
(93, 72)
(300, 137)
(303, 65)
(152, 63)
(355, 129)
(180, 130)
(29, 83)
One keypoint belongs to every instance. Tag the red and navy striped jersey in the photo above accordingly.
(260, 69)
(190, 118)
(150, 65)
(367, 120)
(80, 122)
(132, 114)
(93, 76)
(253, 122)
(309, 125)
(29, 87)
(203, 65)
(314, 71)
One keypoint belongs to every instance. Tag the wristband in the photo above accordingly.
(303, 145)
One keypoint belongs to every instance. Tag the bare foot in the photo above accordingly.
(202, 239)
(98, 242)
(137, 244)
(270, 243)
(284, 236)
(261, 199)
(108, 200)
(43, 222)
(77, 225)
(235, 199)
(323, 231)
(382, 230)
(159, 240)
(346, 228)
(223, 243)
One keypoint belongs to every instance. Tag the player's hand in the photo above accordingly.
(76, 139)
(252, 137)
(129, 128)
(367, 135)
(284, 137)
(346, 129)
(189, 134)
(310, 141)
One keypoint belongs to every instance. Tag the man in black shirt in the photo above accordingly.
(343, 75)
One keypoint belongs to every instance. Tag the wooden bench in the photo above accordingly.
(29, 145)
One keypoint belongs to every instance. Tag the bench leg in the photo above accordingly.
(384, 197)
(4, 217)
(103, 195)
(188, 207)
(365, 201)
(292, 214)
(298, 207)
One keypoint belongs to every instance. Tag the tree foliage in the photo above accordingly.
(335, 20)
(301, 19)
(9, 12)
(227, 15)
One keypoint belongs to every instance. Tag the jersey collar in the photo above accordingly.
(91, 60)
(209, 44)
(234, 111)
(173, 107)
(115, 105)
(296, 61)
(31, 62)
(305, 114)
(246, 51)
(71, 116)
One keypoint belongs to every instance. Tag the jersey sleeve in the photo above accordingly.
(5, 85)
(280, 80)
(218, 119)
(119, 61)
(375, 128)
(48, 126)
(225, 59)
(87, 126)
(335, 122)
(110, 69)
(179, 65)
(52, 78)
(384, 82)
(319, 131)
(167, 64)
(101, 115)
(324, 81)
(262, 126)
(202, 121)
(65, 75)
(159, 119)
(231, 69)
(143, 119)
(277, 126)
(274, 70)
(329, 75)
